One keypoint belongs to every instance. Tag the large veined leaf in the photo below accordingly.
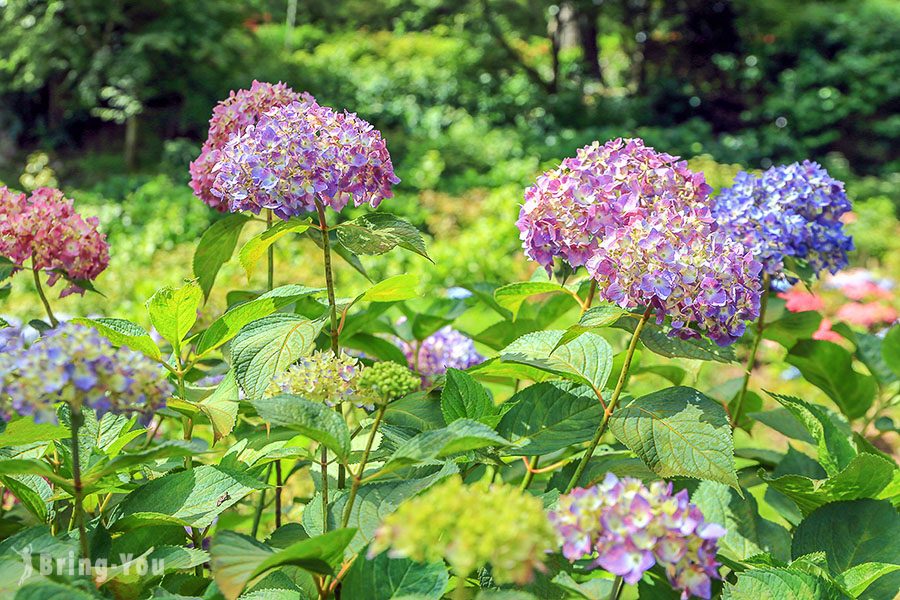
(546, 417)
(465, 398)
(867, 476)
(417, 412)
(313, 419)
(830, 368)
(51, 590)
(228, 325)
(747, 533)
(679, 432)
(596, 317)
(513, 295)
(173, 311)
(121, 332)
(257, 246)
(660, 342)
(267, 346)
(781, 584)
(621, 463)
(587, 359)
(461, 435)
(857, 579)
(191, 498)
(32, 491)
(377, 233)
(835, 444)
(386, 578)
(215, 248)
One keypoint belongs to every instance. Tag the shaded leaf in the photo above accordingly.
(377, 233)
(385, 578)
(513, 295)
(829, 367)
(315, 420)
(465, 398)
(215, 249)
(257, 246)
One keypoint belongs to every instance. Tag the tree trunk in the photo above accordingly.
(131, 131)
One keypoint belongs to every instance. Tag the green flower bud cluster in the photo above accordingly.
(324, 377)
(388, 381)
(470, 527)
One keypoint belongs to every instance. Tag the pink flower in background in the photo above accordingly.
(45, 230)
(797, 299)
(825, 333)
(867, 314)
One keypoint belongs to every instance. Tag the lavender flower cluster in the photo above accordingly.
(300, 153)
(627, 528)
(445, 349)
(640, 222)
(792, 210)
(74, 364)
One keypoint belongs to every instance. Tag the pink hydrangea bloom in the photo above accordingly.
(232, 116)
(45, 230)
(825, 333)
(867, 314)
(301, 153)
(799, 300)
(639, 221)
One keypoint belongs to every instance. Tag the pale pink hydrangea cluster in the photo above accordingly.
(301, 153)
(230, 117)
(639, 221)
(45, 229)
(627, 527)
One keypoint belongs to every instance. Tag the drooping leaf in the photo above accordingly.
(267, 346)
(784, 422)
(377, 233)
(417, 412)
(256, 247)
(513, 295)
(546, 417)
(392, 289)
(173, 311)
(121, 332)
(215, 249)
(465, 398)
(315, 420)
(596, 317)
(679, 432)
(32, 491)
(870, 350)
(829, 367)
(459, 436)
(221, 407)
(386, 578)
(586, 359)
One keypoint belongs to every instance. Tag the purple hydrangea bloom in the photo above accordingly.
(627, 527)
(74, 364)
(445, 349)
(300, 153)
(789, 211)
(639, 221)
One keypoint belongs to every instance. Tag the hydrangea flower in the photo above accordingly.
(300, 153)
(388, 381)
(789, 211)
(626, 528)
(230, 117)
(639, 221)
(509, 530)
(75, 364)
(45, 229)
(324, 377)
(445, 349)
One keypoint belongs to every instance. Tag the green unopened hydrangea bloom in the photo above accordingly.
(388, 380)
(324, 377)
(469, 527)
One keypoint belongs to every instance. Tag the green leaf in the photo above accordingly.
(587, 359)
(784, 422)
(26, 431)
(835, 444)
(513, 295)
(495, 368)
(465, 398)
(256, 247)
(32, 491)
(221, 407)
(51, 590)
(121, 332)
(890, 349)
(546, 417)
(459, 436)
(679, 432)
(174, 311)
(267, 346)
(829, 367)
(870, 350)
(215, 249)
(747, 533)
(385, 578)
(313, 419)
(376, 347)
(392, 289)
(237, 559)
(191, 498)
(417, 411)
(867, 476)
(856, 579)
(377, 233)
(597, 317)
(227, 326)
(659, 342)
(850, 534)
(793, 327)
(781, 584)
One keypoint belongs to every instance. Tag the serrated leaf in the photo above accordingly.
(256, 247)
(228, 325)
(459, 436)
(513, 295)
(215, 248)
(377, 233)
(781, 584)
(32, 491)
(546, 417)
(594, 318)
(679, 432)
(267, 346)
(173, 311)
(829, 367)
(386, 578)
(313, 419)
(416, 411)
(784, 422)
(856, 579)
(659, 342)
(587, 359)
(465, 398)
(121, 332)
(392, 289)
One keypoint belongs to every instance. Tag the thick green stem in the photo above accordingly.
(357, 479)
(78, 508)
(459, 593)
(40, 290)
(270, 285)
(620, 385)
(751, 360)
(529, 472)
(618, 586)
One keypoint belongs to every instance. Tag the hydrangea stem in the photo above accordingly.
(529, 472)
(78, 508)
(592, 291)
(617, 587)
(40, 290)
(188, 427)
(620, 384)
(751, 360)
(270, 285)
(459, 592)
(257, 516)
(357, 479)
